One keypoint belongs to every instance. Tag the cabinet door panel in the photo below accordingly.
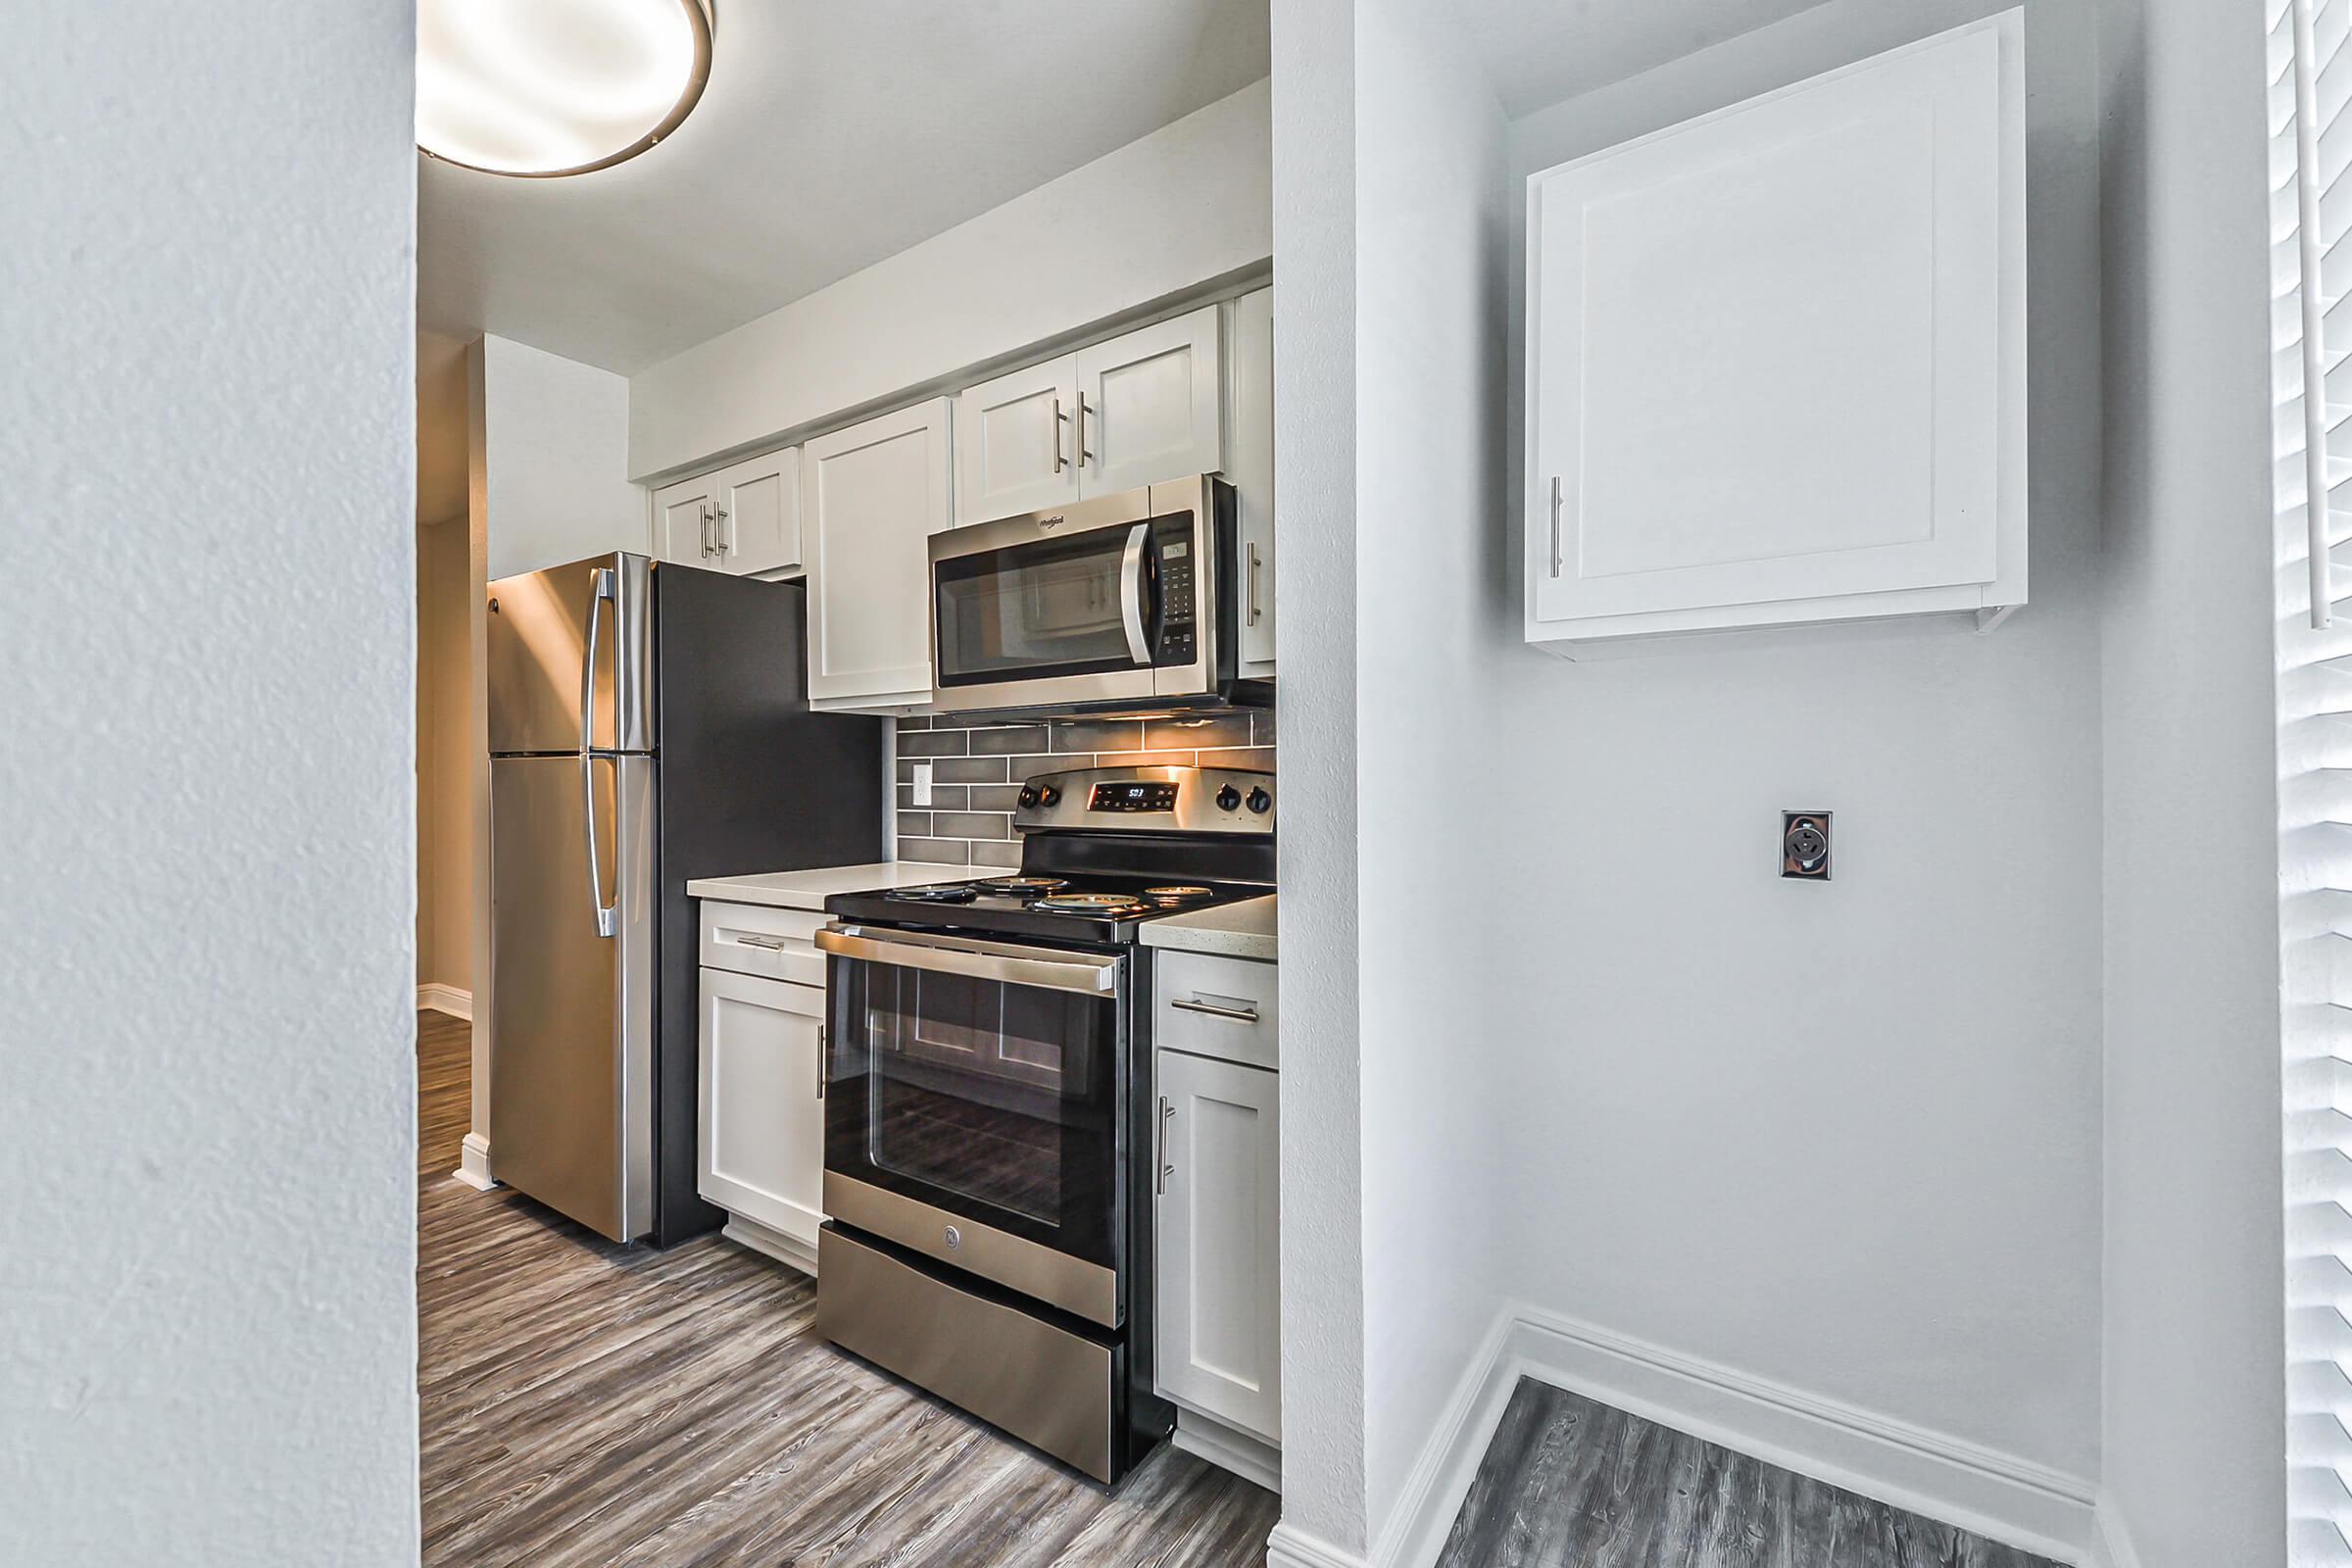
(759, 520)
(1219, 1288)
(1764, 348)
(1016, 442)
(871, 497)
(685, 523)
(760, 1117)
(1154, 405)
(1249, 465)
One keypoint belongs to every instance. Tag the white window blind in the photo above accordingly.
(2310, 342)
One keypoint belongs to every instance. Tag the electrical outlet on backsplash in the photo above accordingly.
(977, 768)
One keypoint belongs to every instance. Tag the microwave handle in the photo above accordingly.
(1131, 594)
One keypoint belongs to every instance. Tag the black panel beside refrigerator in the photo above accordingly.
(750, 780)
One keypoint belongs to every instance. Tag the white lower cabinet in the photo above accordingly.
(762, 1124)
(1219, 1285)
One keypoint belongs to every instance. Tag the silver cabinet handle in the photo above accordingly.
(1059, 418)
(1131, 593)
(1046, 968)
(824, 1062)
(725, 532)
(1237, 1014)
(706, 534)
(1160, 1182)
(1084, 456)
(1555, 526)
(1255, 562)
(745, 939)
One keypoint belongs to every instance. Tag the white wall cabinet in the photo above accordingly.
(1776, 357)
(871, 495)
(1150, 404)
(744, 518)
(1142, 408)
(1016, 442)
(1249, 465)
(1219, 1289)
(761, 1109)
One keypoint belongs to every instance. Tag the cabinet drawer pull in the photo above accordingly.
(771, 944)
(1237, 1014)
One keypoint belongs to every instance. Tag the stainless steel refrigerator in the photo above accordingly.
(649, 724)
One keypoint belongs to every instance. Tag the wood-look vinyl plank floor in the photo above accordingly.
(587, 1405)
(1570, 1483)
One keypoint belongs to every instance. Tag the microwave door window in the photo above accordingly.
(1051, 607)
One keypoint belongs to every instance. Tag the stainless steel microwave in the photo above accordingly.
(1124, 602)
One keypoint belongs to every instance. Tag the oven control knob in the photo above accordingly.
(1049, 794)
(1229, 799)
(953, 1238)
(1028, 796)
(1260, 801)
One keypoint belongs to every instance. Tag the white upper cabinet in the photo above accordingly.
(759, 521)
(1776, 357)
(871, 495)
(1016, 442)
(1151, 405)
(686, 522)
(1249, 465)
(744, 518)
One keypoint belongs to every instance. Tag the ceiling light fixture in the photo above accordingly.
(542, 87)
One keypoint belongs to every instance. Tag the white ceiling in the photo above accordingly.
(1539, 52)
(831, 135)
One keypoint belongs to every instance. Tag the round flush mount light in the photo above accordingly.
(542, 87)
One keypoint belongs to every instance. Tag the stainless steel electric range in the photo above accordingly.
(988, 1137)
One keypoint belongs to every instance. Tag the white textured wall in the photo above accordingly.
(1430, 238)
(1315, 499)
(1185, 206)
(2195, 1416)
(556, 460)
(1847, 1137)
(207, 1085)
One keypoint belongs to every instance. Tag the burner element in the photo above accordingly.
(1182, 894)
(946, 893)
(1113, 904)
(1027, 884)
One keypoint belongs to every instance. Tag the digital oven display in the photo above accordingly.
(1133, 797)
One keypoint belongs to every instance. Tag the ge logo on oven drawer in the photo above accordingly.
(955, 1238)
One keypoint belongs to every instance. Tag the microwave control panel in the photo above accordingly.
(1179, 636)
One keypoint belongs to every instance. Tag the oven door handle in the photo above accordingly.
(1131, 594)
(1049, 970)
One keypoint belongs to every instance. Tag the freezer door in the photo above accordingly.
(571, 658)
(571, 955)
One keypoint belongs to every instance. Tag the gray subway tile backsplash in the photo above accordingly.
(977, 770)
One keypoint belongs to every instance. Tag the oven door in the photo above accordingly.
(972, 1107)
(1055, 607)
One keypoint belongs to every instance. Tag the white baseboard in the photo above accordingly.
(1288, 1547)
(2112, 1544)
(2001, 1496)
(473, 1162)
(1228, 1447)
(446, 999)
(785, 1249)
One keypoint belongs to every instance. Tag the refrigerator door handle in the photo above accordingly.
(601, 593)
(607, 915)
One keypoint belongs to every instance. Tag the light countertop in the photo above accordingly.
(808, 890)
(1244, 930)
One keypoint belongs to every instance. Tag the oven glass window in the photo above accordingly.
(989, 1093)
(1045, 607)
